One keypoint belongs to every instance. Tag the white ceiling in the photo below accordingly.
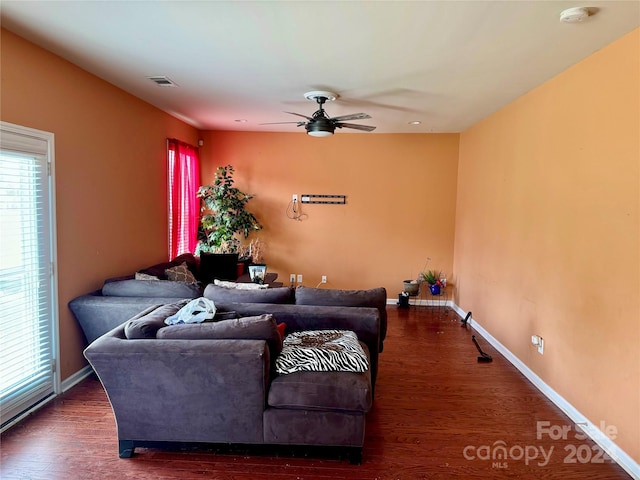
(447, 64)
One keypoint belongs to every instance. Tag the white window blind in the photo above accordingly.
(27, 287)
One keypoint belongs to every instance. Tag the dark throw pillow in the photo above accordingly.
(180, 273)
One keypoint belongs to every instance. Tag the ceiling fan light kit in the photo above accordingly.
(322, 125)
(319, 129)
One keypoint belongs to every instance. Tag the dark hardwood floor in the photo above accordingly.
(438, 414)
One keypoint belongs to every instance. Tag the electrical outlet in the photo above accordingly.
(294, 198)
(299, 278)
(324, 279)
(292, 278)
(538, 341)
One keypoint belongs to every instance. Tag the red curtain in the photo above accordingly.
(184, 206)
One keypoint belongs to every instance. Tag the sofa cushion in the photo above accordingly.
(262, 327)
(151, 288)
(321, 351)
(375, 297)
(349, 391)
(232, 295)
(147, 323)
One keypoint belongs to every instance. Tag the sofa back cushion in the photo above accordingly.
(151, 289)
(262, 327)
(147, 323)
(233, 295)
(375, 297)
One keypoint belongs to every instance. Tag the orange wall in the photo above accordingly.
(110, 167)
(546, 224)
(400, 190)
(547, 232)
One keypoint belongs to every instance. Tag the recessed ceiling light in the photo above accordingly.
(415, 122)
(241, 120)
(574, 15)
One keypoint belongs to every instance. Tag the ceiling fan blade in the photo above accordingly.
(364, 128)
(300, 115)
(282, 123)
(353, 116)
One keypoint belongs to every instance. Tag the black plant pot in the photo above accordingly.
(403, 301)
(218, 266)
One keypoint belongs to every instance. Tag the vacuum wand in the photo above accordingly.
(484, 357)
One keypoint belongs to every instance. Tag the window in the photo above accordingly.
(184, 206)
(28, 313)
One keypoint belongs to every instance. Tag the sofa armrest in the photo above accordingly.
(183, 390)
(98, 314)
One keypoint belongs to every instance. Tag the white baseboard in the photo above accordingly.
(421, 302)
(76, 378)
(607, 444)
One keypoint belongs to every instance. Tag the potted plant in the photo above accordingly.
(251, 254)
(432, 277)
(224, 217)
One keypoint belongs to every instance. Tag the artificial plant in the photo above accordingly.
(224, 216)
(431, 277)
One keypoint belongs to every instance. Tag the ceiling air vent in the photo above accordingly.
(163, 81)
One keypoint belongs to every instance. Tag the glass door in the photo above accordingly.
(28, 315)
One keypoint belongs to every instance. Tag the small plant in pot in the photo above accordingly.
(432, 277)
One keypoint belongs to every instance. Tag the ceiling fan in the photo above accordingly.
(320, 124)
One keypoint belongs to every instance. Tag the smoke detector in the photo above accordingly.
(574, 15)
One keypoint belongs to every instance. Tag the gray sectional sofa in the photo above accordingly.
(215, 382)
(123, 297)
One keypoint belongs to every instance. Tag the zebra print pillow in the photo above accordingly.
(321, 351)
